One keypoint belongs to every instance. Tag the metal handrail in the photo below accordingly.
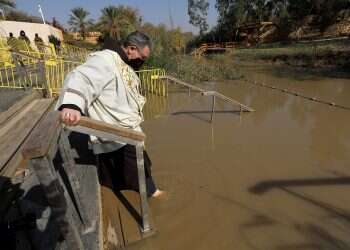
(204, 92)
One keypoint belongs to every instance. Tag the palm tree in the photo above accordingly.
(7, 4)
(118, 21)
(78, 20)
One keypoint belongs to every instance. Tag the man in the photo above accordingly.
(23, 36)
(39, 43)
(11, 40)
(38, 39)
(106, 88)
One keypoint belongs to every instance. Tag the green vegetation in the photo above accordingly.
(118, 21)
(323, 54)
(78, 20)
(198, 10)
(19, 16)
(187, 68)
(7, 4)
(287, 14)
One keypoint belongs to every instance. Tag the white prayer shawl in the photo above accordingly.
(105, 89)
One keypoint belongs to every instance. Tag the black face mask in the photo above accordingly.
(136, 64)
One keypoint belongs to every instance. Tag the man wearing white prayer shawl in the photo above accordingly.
(106, 88)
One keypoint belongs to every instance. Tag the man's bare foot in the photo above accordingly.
(158, 193)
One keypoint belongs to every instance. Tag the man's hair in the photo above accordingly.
(138, 39)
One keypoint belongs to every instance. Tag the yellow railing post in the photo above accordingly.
(151, 83)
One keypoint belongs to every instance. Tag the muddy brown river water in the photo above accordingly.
(275, 179)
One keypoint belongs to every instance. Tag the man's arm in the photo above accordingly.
(70, 114)
(83, 85)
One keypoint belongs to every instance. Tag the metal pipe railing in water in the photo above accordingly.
(291, 92)
(204, 92)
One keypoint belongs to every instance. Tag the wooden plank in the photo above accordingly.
(18, 106)
(8, 172)
(112, 129)
(111, 224)
(105, 135)
(12, 138)
(91, 200)
(12, 123)
(112, 235)
(41, 138)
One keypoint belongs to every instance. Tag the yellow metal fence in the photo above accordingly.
(45, 67)
(34, 70)
(47, 72)
(151, 83)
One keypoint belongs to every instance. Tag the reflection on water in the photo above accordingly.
(277, 178)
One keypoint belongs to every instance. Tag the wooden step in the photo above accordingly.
(17, 125)
(18, 106)
(15, 132)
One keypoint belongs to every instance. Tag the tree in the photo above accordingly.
(198, 11)
(288, 15)
(78, 20)
(117, 22)
(7, 4)
(57, 25)
(19, 16)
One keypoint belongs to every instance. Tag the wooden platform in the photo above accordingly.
(16, 123)
(115, 218)
(46, 235)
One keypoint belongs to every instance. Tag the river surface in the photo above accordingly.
(274, 179)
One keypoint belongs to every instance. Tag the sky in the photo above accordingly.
(154, 11)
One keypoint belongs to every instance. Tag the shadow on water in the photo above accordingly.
(266, 186)
(199, 114)
(319, 237)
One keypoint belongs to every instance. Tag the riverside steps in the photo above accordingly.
(51, 183)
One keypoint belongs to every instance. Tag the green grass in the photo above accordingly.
(188, 68)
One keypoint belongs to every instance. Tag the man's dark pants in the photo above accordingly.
(122, 166)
